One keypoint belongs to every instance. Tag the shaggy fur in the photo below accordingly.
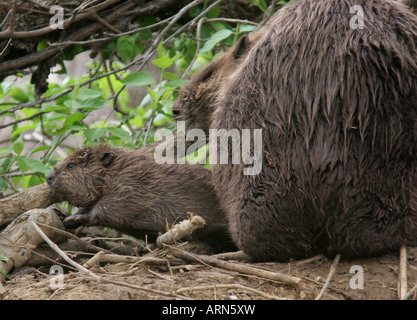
(338, 109)
(196, 103)
(126, 190)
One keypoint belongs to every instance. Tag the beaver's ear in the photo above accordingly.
(241, 47)
(106, 158)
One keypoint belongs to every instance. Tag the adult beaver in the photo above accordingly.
(126, 190)
(337, 104)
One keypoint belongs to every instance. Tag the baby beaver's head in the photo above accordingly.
(80, 178)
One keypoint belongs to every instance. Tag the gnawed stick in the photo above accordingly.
(410, 293)
(85, 245)
(237, 255)
(310, 260)
(231, 286)
(402, 276)
(115, 258)
(180, 230)
(241, 268)
(329, 277)
(18, 203)
(20, 237)
(93, 275)
(62, 254)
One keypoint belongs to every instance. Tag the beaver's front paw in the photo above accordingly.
(75, 221)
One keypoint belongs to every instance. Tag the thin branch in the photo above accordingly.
(83, 33)
(233, 21)
(329, 276)
(93, 275)
(242, 268)
(197, 48)
(22, 120)
(63, 255)
(231, 286)
(85, 245)
(402, 277)
(43, 31)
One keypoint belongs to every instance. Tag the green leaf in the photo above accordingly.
(163, 62)
(48, 108)
(36, 165)
(138, 79)
(5, 150)
(6, 163)
(4, 258)
(93, 134)
(119, 132)
(23, 128)
(177, 83)
(169, 75)
(74, 118)
(194, 12)
(3, 186)
(73, 104)
(19, 94)
(125, 47)
(90, 94)
(246, 28)
(18, 146)
(94, 104)
(21, 164)
(153, 94)
(33, 181)
(215, 39)
(39, 149)
(214, 13)
(42, 45)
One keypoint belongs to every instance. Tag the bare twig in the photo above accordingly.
(197, 48)
(93, 275)
(230, 286)
(238, 255)
(410, 293)
(329, 277)
(402, 277)
(63, 255)
(242, 268)
(115, 258)
(87, 246)
(233, 21)
(43, 31)
(309, 260)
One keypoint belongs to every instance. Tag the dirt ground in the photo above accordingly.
(178, 279)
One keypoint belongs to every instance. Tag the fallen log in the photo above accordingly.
(20, 237)
(14, 205)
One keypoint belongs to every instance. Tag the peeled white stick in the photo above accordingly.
(402, 277)
(180, 230)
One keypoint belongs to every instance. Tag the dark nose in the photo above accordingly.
(176, 113)
(50, 177)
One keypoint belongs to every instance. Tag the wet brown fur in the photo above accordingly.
(197, 100)
(126, 190)
(338, 109)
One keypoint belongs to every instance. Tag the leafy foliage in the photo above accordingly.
(38, 127)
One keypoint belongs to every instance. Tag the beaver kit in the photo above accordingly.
(126, 190)
(337, 102)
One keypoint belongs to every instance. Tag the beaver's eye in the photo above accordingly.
(71, 166)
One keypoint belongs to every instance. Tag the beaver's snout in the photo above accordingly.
(50, 178)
